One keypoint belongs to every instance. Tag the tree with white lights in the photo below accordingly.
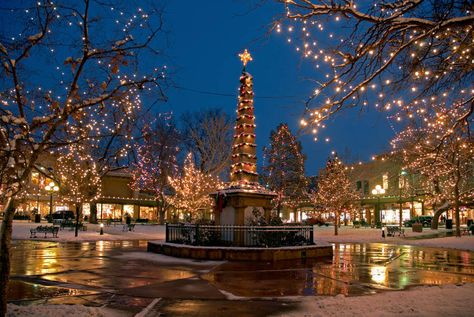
(157, 161)
(60, 74)
(444, 158)
(284, 168)
(192, 189)
(79, 177)
(335, 191)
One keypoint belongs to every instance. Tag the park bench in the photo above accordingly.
(128, 227)
(393, 230)
(44, 229)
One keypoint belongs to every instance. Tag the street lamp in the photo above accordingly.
(377, 191)
(401, 186)
(51, 188)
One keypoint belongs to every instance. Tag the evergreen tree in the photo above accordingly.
(284, 170)
(334, 191)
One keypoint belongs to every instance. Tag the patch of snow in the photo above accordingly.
(164, 259)
(35, 37)
(21, 231)
(371, 235)
(61, 311)
(446, 301)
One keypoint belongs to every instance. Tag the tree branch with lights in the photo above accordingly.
(443, 156)
(407, 53)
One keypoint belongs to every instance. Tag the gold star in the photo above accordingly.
(245, 57)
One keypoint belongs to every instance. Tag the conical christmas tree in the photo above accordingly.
(244, 158)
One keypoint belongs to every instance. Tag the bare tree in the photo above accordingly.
(409, 53)
(157, 161)
(447, 166)
(61, 72)
(208, 135)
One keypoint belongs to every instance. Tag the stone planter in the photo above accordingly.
(417, 227)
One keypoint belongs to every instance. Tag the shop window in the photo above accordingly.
(35, 178)
(366, 187)
(147, 213)
(385, 181)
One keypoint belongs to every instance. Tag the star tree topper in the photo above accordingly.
(245, 57)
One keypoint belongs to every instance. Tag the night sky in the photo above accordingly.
(204, 40)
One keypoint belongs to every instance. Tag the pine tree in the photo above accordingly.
(284, 172)
(192, 189)
(334, 189)
(157, 161)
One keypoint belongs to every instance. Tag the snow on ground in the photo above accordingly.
(322, 235)
(368, 235)
(61, 311)
(432, 301)
(164, 259)
(21, 231)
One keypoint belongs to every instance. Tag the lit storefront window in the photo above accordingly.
(392, 216)
(147, 213)
(35, 178)
(109, 211)
(129, 209)
(86, 209)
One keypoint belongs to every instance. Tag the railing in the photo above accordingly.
(240, 236)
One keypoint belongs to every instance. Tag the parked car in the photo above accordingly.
(424, 220)
(61, 215)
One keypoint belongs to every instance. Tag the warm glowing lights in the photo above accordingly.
(245, 57)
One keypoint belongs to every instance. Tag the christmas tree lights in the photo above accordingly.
(192, 189)
(244, 158)
(284, 169)
(335, 191)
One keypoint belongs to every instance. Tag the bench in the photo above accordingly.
(44, 229)
(392, 230)
(129, 227)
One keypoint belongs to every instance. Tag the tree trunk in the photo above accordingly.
(93, 215)
(5, 241)
(336, 222)
(438, 212)
(78, 212)
(456, 200)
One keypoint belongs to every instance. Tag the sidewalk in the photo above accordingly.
(370, 235)
(21, 231)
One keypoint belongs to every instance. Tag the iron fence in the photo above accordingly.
(240, 236)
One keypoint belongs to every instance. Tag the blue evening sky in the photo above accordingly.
(204, 40)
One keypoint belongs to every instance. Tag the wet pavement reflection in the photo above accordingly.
(355, 269)
(98, 273)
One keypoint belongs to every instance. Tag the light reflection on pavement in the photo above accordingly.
(94, 273)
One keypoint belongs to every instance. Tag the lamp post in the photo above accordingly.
(401, 186)
(51, 188)
(377, 191)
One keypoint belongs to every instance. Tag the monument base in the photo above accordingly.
(235, 204)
